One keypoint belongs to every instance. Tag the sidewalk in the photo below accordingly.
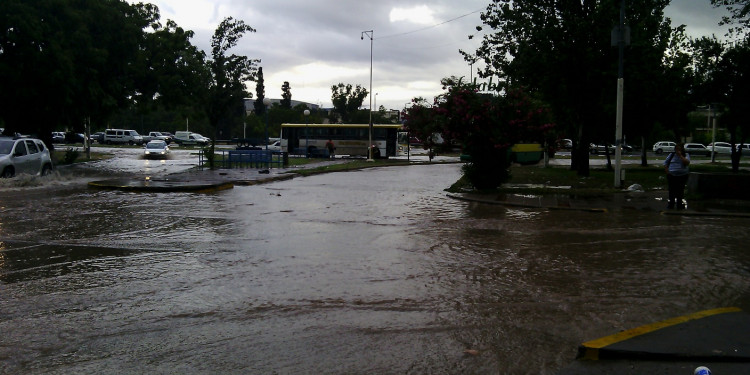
(715, 338)
(641, 201)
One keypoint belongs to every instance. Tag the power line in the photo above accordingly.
(429, 27)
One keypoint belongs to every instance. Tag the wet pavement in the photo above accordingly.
(373, 271)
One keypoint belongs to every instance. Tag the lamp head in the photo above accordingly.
(266, 101)
(306, 112)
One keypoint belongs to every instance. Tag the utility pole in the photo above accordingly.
(369, 34)
(620, 34)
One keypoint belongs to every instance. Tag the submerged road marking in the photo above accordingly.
(590, 349)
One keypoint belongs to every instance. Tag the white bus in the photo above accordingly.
(349, 139)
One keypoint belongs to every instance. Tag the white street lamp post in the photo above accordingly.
(266, 102)
(369, 145)
(306, 113)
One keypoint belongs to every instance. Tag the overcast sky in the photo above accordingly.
(315, 44)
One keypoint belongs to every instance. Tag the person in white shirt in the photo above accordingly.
(676, 165)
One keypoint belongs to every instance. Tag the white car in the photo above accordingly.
(744, 150)
(663, 146)
(720, 148)
(276, 146)
(157, 149)
(186, 138)
(697, 149)
(24, 155)
(122, 136)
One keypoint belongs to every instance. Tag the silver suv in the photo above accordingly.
(24, 155)
(660, 147)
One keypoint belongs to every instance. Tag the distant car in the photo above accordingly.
(600, 149)
(186, 138)
(663, 146)
(58, 137)
(98, 137)
(697, 149)
(71, 138)
(744, 149)
(597, 149)
(720, 148)
(24, 155)
(122, 136)
(157, 149)
(565, 144)
(276, 146)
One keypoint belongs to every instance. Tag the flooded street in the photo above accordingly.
(374, 271)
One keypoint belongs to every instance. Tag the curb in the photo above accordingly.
(523, 205)
(160, 186)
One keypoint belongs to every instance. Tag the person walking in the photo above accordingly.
(331, 148)
(676, 166)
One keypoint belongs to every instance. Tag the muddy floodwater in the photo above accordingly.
(369, 272)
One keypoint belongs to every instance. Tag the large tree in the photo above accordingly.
(63, 61)
(561, 50)
(732, 80)
(739, 13)
(229, 73)
(260, 93)
(346, 100)
(172, 72)
(286, 95)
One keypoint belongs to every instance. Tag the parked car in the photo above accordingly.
(720, 148)
(565, 144)
(122, 136)
(58, 137)
(663, 146)
(697, 149)
(157, 136)
(98, 137)
(597, 149)
(744, 149)
(600, 149)
(71, 138)
(186, 138)
(156, 149)
(24, 155)
(275, 146)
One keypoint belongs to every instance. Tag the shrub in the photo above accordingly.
(71, 154)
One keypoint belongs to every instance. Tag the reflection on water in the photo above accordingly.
(374, 271)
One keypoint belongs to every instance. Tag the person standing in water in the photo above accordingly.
(331, 148)
(676, 166)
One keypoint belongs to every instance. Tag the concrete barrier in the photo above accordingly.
(719, 185)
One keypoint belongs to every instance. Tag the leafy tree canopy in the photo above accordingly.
(562, 51)
(260, 93)
(63, 61)
(739, 13)
(229, 72)
(347, 99)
